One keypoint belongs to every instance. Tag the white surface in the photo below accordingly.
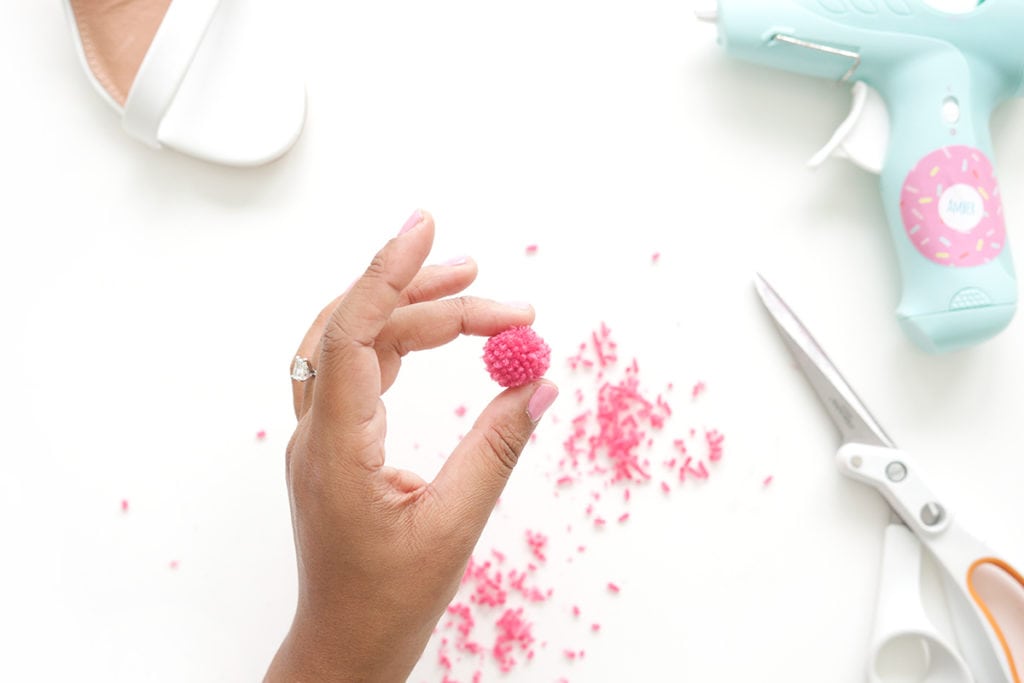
(153, 303)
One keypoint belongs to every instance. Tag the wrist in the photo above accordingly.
(318, 649)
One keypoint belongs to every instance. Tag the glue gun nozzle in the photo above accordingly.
(708, 13)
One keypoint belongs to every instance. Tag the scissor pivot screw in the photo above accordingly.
(896, 471)
(932, 514)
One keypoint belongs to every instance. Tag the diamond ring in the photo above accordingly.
(302, 369)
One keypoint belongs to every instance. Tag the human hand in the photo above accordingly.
(381, 551)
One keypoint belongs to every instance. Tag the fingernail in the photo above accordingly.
(413, 221)
(457, 261)
(541, 400)
(521, 305)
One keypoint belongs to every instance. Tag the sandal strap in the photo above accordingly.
(164, 67)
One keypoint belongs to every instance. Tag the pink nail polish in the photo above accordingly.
(413, 221)
(541, 400)
(457, 261)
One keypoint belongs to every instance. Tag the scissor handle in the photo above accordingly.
(905, 644)
(986, 594)
(992, 592)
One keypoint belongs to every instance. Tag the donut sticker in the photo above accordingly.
(951, 208)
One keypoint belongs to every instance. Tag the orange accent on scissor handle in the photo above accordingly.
(993, 622)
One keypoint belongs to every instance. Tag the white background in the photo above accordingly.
(151, 304)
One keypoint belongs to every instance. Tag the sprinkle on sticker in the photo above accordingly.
(698, 389)
(531, 249)
(124, 505)
(768, 480)
(655, 257)
(614, 588)
(261, 435)
(460, 411)
(173, 564)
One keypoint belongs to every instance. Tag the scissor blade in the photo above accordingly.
(855, 422)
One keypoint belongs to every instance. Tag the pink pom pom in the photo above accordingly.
(516, 357)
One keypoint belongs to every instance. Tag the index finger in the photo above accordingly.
(430, 284)
(348, 377)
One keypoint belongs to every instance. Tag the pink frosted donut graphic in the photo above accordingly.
(951, 208)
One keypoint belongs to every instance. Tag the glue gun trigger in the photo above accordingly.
(863, 137)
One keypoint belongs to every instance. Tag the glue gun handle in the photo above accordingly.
(945, 214)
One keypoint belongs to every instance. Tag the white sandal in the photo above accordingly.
(209, 83)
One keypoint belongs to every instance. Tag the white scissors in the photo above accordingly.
(985, 594)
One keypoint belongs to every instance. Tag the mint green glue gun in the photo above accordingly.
(926, 80)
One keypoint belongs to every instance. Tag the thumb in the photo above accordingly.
(475, 474)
